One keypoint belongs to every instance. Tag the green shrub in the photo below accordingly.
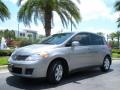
(5, 52)
(25, 42)
(116, 51)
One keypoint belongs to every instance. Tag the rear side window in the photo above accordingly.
(97, 40)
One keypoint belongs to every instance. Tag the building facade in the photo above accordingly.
(30, 34)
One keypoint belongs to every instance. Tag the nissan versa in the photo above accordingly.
(59, 55)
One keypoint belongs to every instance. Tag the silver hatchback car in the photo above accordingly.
(59, 55)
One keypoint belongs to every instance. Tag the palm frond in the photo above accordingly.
(4, 12)
(118, 22)
(117, 6)
(30, 10)
(70, 11)
(19, 2)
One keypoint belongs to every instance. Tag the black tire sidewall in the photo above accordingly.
(51, 72)
(103, 66)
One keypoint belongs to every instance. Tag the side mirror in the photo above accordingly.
(75, 43)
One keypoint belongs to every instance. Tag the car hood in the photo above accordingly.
(32, 49)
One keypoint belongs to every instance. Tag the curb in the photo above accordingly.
(115, 58)
(3, 67)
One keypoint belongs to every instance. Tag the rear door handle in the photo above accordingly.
(92, 50)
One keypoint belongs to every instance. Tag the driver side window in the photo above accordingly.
(82, 38)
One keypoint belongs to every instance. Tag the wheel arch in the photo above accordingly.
(64, 63)
(109, 58)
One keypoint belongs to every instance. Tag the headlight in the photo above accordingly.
(37, 56)
(33, 57)
(43, 54)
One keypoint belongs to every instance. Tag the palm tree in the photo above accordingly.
(4, 12)
(118, 38)
(43, 10)
(117, 8)
(112, 37)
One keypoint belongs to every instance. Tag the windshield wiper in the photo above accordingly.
(46, 43)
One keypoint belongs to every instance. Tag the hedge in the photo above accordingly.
(116, 51)
(5, 52)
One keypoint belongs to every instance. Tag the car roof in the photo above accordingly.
(88, 33)
(74, 33)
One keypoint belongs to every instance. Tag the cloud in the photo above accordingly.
(115, 16)
(13, 1)
(93, 9)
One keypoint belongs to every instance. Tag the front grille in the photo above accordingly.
(17, 70)
(19, 57)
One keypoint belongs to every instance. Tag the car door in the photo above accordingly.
(81, 56)
(96, 47)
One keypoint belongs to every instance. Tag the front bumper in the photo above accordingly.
(28, 69)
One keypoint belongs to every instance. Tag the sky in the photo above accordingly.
(97, 16)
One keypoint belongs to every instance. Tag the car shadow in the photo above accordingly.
(37, 84)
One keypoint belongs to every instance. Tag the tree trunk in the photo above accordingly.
(48, 19)
(118, 43)
(112, 42)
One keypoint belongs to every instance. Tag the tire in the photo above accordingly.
(106, 64)
(55, 72)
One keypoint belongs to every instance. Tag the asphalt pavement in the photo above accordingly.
(92, 79)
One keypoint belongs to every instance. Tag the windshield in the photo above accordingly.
(56, 38)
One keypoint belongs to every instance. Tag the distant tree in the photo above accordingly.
(1, 33)
(4, 12)
(6, 33)
(12, 34)
(30, 36)
(112, 37)
(118, 38)
(100, 33)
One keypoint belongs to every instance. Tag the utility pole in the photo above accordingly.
(71, 23)
(107, 38)
(18, 30)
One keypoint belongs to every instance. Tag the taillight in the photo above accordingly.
(109, 46)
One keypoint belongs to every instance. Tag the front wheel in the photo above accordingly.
(106, 64)
(55, 72)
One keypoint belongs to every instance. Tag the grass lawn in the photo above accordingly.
(115, 55)
(4, 60)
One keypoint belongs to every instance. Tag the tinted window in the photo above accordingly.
(96, 40)
(83, 38)
(57, 38)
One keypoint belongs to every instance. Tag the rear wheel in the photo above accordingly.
(106, 64)
(55, 72)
